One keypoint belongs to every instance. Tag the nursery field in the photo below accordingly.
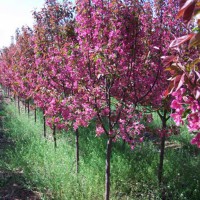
(32, 167)
(101, 100)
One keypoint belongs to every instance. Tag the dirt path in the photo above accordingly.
(11, 182)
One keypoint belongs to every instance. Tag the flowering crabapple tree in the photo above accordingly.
(24, 63)
(52, 28)
(120, 66)
(157, 35)
(108, 35)
(10, 58)
(56, 55)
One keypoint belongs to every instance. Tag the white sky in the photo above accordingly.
(14, 14)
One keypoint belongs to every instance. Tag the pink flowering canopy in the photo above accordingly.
(101, 62)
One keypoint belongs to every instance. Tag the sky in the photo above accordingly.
(14, 14)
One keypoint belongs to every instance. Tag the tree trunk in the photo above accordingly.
(162, 153)
(54, 137)
(77, 150)
(25, 106)
(28, 108)
(44, 123)
(18, 105)
(35, 115)
(107, 174)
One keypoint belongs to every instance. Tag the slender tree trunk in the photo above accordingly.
(28, 108)
(54, 137)
(35, 115)
(107, 174)
(77, 150)
(160, 170)
(25, 106)
(44, 123)
(18, 105)
(162, 154)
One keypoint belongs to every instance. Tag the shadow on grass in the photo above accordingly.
(12, 186)
(12, 182)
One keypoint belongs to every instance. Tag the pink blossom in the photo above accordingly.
(177, 118)
(99, 130)
(196, 140)
(176, 105)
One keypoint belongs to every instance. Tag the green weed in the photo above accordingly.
(134, 173)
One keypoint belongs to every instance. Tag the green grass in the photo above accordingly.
(134, 173)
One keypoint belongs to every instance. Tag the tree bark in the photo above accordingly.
(18, 105)
(28, 108)
(162, 152)
(107, 174)
(164, 119)
(25, 106)
(77, 150)
(54, 136)
(35, 115)
(44, 123)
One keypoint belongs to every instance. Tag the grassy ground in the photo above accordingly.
(134, 173)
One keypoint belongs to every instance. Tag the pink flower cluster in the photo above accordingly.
(187, 109)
